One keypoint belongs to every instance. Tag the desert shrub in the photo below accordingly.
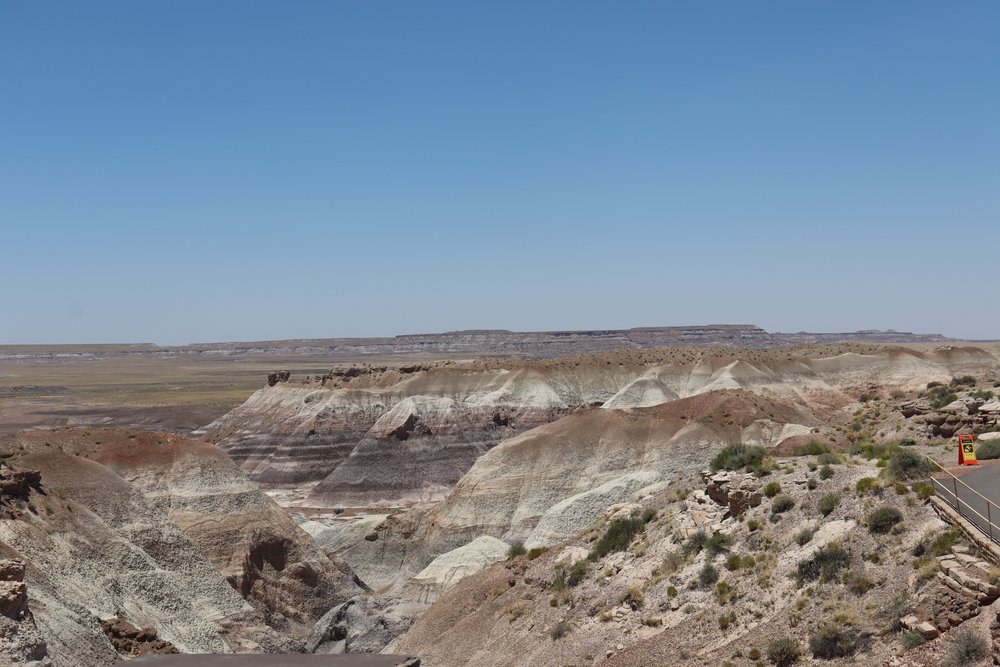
(830, 459)
(516, 549)
(733, 562)
(967, 648)
(804, 536)
(812, 466)
(695, 543)
(753, 525)
(811, 484)
(924, 490)
(865, 484)
(559, 630)
(824, 565)
(828, 503)
(931, 385)
(559, 580)
(634, 598)
(813, 449)
(672, 562)
(905, 465)
(708, 576)
(671, 591)
(536, 552)
(941, 396)
(963, 381)
(988, 450)
(833, 641)
(648, 515)
(718, 543)
(875, 450)
(883, 519)
(652, 621)
(724, 621)
(617, 537)
(911, 639)
(771, 489)
(783, 652)
(577, 573)
(983, 395)
(748, 562)
(902, 489)
(826, 472)
(907, 442)
(515, 612)
(782, 503)
(937, 545)
(736, 457)
(857, 582)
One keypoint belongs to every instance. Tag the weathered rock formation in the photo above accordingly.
(131, 641)
(20, 640)
(145, 528)
(381, 435)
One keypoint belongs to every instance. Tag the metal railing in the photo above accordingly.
(951, 489)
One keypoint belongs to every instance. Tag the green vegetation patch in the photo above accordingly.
(783, 652)
(905, 465)
(617, 537)
(882, 520)
(824, 565)
(813, 449)
(737, 457)
(782, 503)
(833, 641)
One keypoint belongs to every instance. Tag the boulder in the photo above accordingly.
(13, 598)
(11, 570)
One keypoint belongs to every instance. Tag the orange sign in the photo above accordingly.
(967, 450)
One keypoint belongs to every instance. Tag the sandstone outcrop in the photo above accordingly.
(132, 641)
(735, 490)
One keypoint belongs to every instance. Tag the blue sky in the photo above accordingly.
(187, 171)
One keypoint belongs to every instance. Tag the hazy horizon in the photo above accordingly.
(238, 171)
(476, 330)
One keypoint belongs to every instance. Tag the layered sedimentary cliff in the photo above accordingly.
(379, 435)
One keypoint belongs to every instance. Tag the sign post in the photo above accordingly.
(967, 450)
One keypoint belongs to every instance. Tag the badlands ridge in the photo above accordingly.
(404, 488)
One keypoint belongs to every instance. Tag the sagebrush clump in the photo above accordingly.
(783, 652)
(883, 519)
(617, 537)
(824, 565)
(737, 457)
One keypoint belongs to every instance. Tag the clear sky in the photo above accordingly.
(181, 171)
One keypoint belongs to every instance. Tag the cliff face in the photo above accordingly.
(384, 436)
(151, 530)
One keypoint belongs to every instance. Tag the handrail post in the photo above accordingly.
(989, 519)
(958, 503)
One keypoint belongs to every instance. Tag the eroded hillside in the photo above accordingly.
(830, 556)
(362, 436)
(151, 530)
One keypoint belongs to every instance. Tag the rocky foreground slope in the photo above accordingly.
(830, 557)
(361, 436)
(131, 537)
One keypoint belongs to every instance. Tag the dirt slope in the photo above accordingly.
(650, 603)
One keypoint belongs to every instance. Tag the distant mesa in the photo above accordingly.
(497, 343)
